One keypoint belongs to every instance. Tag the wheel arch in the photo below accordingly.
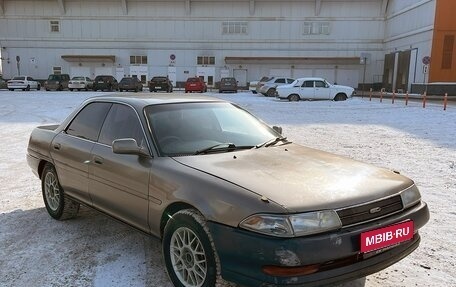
(340, 96)
(41, 166)
(172, 209)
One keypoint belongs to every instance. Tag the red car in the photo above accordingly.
(195, 84)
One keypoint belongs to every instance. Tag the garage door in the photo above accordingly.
(348, 77)
(104, 71)
(280, 73)
(79, 71)
(327, 74)
(302, 73)
(241, 77)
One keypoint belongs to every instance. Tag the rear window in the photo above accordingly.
(78, 78)
(158, 79)
(193, 80)
(19, 78)
(55, 77)
(228, 80)
(126, 80)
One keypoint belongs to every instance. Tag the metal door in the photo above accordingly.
(241, 77)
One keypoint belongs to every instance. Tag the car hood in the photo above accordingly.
(300, 178)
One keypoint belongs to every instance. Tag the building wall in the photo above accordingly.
(409, 29)
(443, 59)
(158, 29)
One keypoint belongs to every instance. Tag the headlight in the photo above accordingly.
(410, 196)
(293, 225)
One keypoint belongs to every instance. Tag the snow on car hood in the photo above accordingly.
(300, 178)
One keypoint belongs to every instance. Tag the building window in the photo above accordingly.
(205, 60)
(447, 55)
(316, 28)
(55, 26)
(138, 60)
(57, 70)
(234, 28)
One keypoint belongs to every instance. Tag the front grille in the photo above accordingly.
(362, 213)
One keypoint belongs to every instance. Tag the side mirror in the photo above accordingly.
(277, 129)
(128, 146)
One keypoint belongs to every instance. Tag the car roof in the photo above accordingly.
(140, 102)
(310, 79)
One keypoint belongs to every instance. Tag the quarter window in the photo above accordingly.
(121, 122)
(87, 123)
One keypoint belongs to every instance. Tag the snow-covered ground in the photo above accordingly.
(93, 250)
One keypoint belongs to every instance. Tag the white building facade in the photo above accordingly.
(342, 41)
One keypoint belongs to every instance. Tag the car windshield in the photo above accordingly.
(126, 81)
(79, 78)
(188, 128)
(19, 78)
(54, 77)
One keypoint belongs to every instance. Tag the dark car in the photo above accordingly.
(130, 84)
(228, 85)
(160, 84)
(195, 84)
(227, 195)
(105, 82)
(58, 82)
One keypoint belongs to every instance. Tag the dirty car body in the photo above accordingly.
(228, 195)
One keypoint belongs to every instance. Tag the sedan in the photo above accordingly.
(160, 84)
(80, 83)
(227, 195)
(24, 83)
(130, 84)
(313, 89)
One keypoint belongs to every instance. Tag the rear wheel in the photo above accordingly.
(293, 98)
(72, 89)
(188, 250)
(57, 204)
(38, 87)
(28, 88)
(340, 97)
(270, 92)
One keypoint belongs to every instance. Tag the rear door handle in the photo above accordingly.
(98, 160)
(57, 146)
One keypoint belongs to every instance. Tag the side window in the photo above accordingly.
(320, 84)
(88, 121)
(121, 122)
(280, 81)
(289, 81)
(308, 84)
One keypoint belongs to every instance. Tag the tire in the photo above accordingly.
(293, 98)
(11, 90)
(136, 90)
(60, 88)
(47, 89)
(28, 88)
(58, 205)
(270, 92)
(340, 97)
(71, 90)
(179, 251)
(38, 87)
(120, 90)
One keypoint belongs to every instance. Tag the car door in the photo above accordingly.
(71, 149)
(322, 90)
(307, 90)
(119, 183)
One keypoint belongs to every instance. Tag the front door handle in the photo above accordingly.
(57, 146)
(98, 160)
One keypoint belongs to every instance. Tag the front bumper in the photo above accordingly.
(243, 254)
(77, 86)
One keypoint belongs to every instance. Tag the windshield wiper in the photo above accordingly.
(273, 141)
(222, 147)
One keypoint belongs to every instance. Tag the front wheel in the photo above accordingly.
(340, 97)
(188, 250)
(57, 204)
(270, 92)
(293, 98)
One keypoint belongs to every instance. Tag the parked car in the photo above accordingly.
(58, 82)
(80, 83)
(269, 87)
(314, 89)
(3, 84)
(261, 82)
(195, 84)
(227, 195)
(130, 84)
(228, 85)
(160, 84)
(105, 82)
(252, 86)
(24, 83)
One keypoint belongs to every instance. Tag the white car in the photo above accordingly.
(269, 87)
(80, 83)
(24, 83)
(313, 89)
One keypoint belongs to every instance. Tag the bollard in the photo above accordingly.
(424, 100)
(381, 95)
(406, 99)
(392, 98)
(370, 94)
(445, 101)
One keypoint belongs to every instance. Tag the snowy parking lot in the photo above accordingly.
(94, 250)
